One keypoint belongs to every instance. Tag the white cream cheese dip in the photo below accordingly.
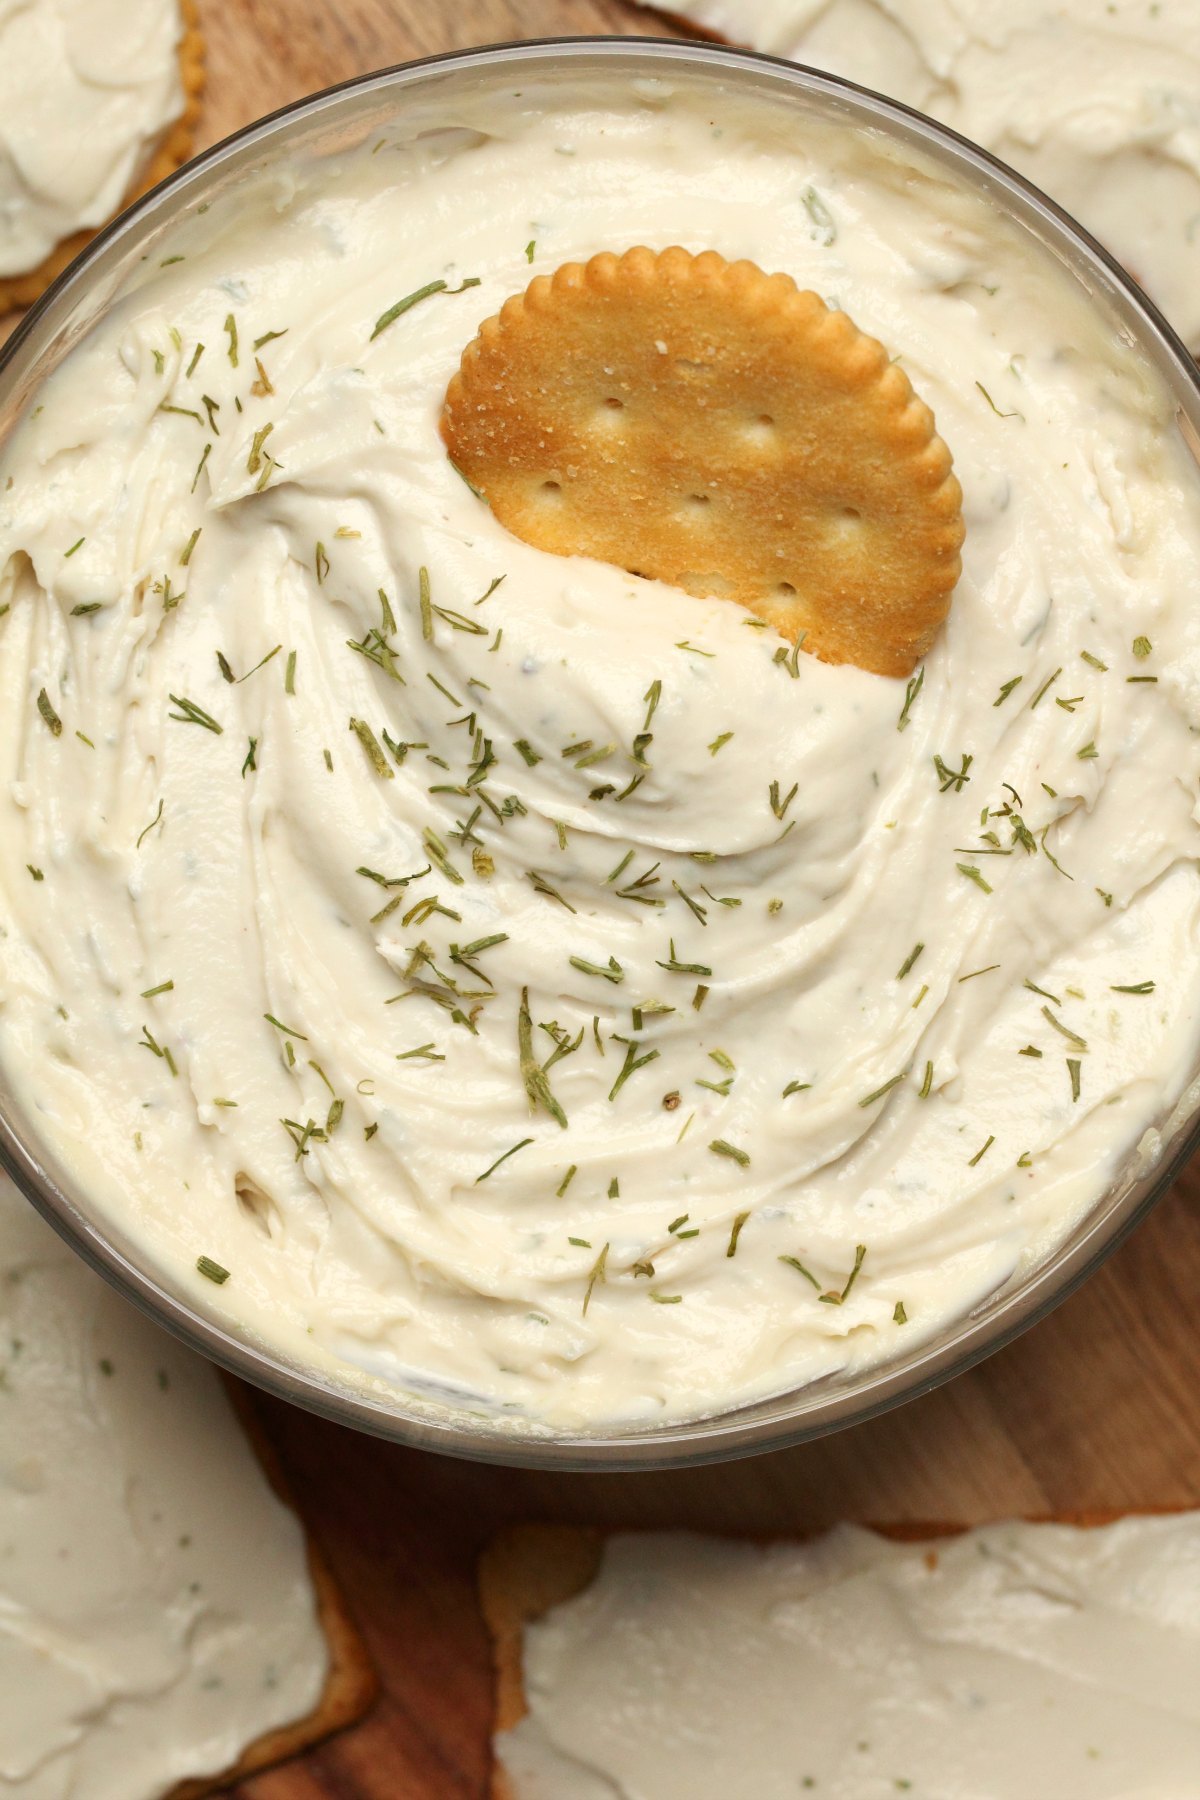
(1016, 1662)
(156, 1613)
(810, 963)
(1096, 102)
(87, 90)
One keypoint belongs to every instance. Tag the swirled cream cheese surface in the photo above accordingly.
(1097, 103)
(531, 985)
(87, 88)
(156, 1614)
(1040, 1662)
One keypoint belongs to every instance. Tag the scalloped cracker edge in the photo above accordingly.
(699, 422)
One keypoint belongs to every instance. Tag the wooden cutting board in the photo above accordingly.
(1099, 1406)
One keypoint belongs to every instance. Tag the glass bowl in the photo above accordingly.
(431, 94)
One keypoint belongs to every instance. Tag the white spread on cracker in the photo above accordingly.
(823, 975)
(1096, 103)
(1014, 1661)
(156, 1614)
(87, 90)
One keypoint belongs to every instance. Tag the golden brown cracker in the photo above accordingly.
(176, 147)
(699, 422)
(351, 1684)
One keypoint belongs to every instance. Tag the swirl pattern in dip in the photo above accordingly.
(812, 962)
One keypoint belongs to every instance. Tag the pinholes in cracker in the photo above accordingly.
(699, 422)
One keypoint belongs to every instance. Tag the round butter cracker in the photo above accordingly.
(174, 150)
(699, 422)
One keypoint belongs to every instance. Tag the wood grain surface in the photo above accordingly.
(1099, 1406)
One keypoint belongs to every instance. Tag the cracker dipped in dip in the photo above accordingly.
(540, 988)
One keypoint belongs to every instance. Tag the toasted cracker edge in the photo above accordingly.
(523, 1573)
(18, 291)
(877, 602)
(351, 1685)
(529, 1569)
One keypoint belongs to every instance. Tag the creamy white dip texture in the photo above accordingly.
(1095, 101)
(87, 89)
(810, 962)
(1017, 1662)
(156, 1614)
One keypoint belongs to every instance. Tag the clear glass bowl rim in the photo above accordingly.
(785, 1419)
